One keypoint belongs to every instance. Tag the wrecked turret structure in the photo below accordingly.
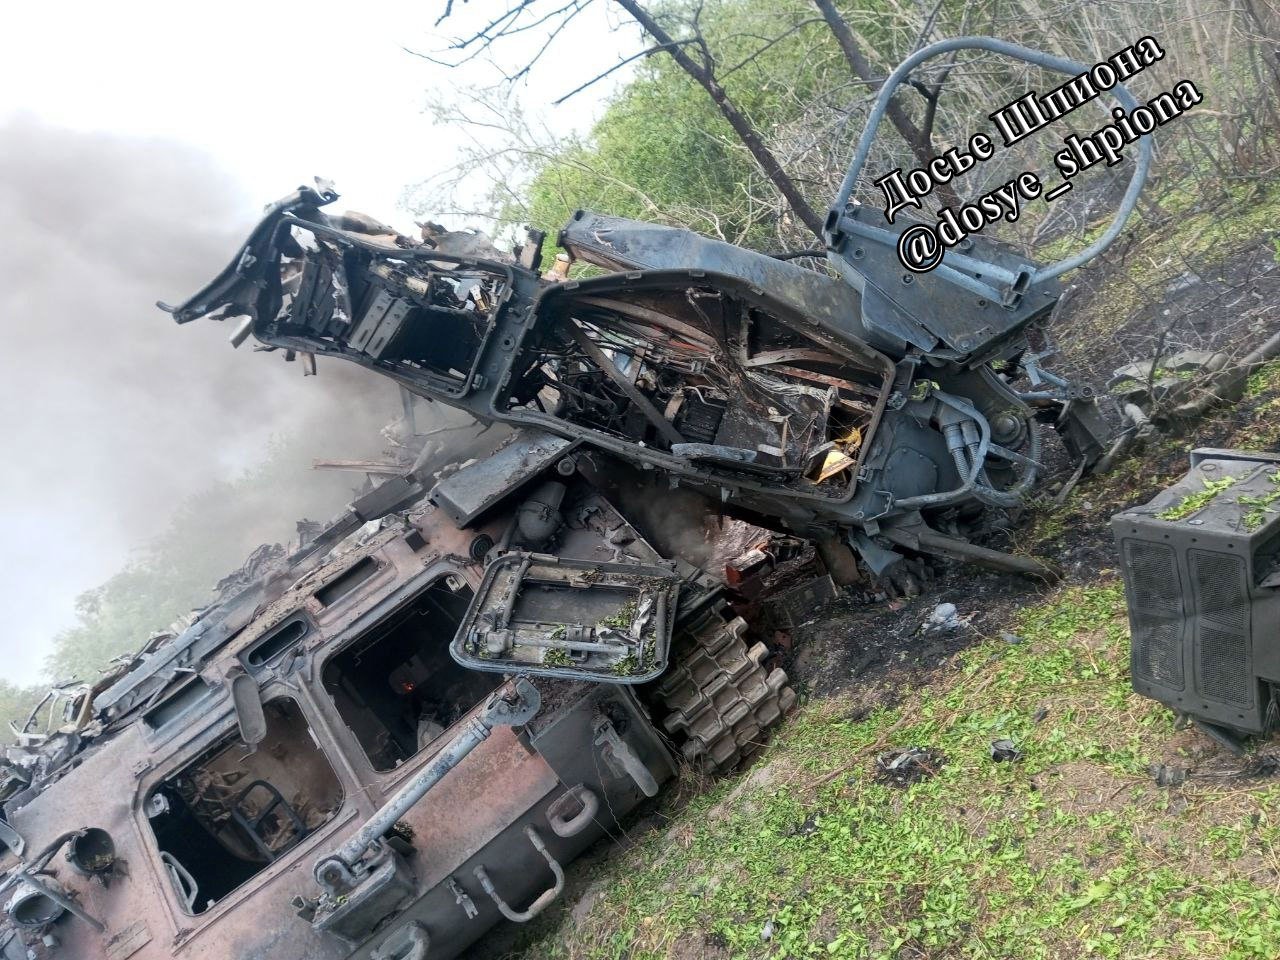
(391, 739)
(867, 406)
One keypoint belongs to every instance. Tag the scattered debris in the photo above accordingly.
(945, 618)
(793, 607)
(1168, 776)
(808, 826)
(1005, 751)
(901, 768)
(1262, 765)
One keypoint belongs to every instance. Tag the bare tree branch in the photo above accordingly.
(916, 138)
(742, 126)
(778, 39)
(650, 51)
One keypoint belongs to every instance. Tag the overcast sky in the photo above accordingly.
(137, 142)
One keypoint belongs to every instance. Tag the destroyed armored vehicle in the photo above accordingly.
(864, 406)
(287, 752)
(402, 732)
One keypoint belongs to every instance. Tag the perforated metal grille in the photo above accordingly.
(1157, 652)
(1157, 613)
(1224, 671)
(1223, 662)
(1220, 589)
(1153, 570)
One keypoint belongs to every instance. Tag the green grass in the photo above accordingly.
(1191, 234)
(1195, 502)
(1072, 851)
(1266, 379)
(1262, 505)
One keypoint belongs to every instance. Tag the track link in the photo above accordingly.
(720, 697)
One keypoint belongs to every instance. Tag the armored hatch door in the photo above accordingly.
(575, 619)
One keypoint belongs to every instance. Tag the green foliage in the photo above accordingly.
(556, 657)
(1263, 380)
(1194, 502)
(663, 152)
(1262, 505)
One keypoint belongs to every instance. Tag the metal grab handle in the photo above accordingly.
(410, 942)
(544, 901)
(571, 826)
(181, 879)
(1037, 58)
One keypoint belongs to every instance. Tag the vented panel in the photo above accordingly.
(1157, 612)
(1223, 661)
(1220, 589)
(1157, 650)
(1153, 569)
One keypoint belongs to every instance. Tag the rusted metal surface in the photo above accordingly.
(118, 776)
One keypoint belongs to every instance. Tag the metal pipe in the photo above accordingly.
(581, 646)
(1036, 57)
(543, 901)
(968, 471)
(508, 608)
(930, 541)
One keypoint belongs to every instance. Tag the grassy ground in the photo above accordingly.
(1071, 851)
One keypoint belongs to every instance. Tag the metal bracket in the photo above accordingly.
(463, 899)
(617, 753)
(12, 839)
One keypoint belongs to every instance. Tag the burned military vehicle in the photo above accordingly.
(404, 730)
(353, 736)
(865, 406)
(790, 397)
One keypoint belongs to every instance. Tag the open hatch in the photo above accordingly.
(553, 616)
(228, 815)
(396, 686)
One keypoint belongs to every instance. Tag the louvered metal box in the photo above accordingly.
(1201, 565)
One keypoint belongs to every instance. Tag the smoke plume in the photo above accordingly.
(114, 414)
